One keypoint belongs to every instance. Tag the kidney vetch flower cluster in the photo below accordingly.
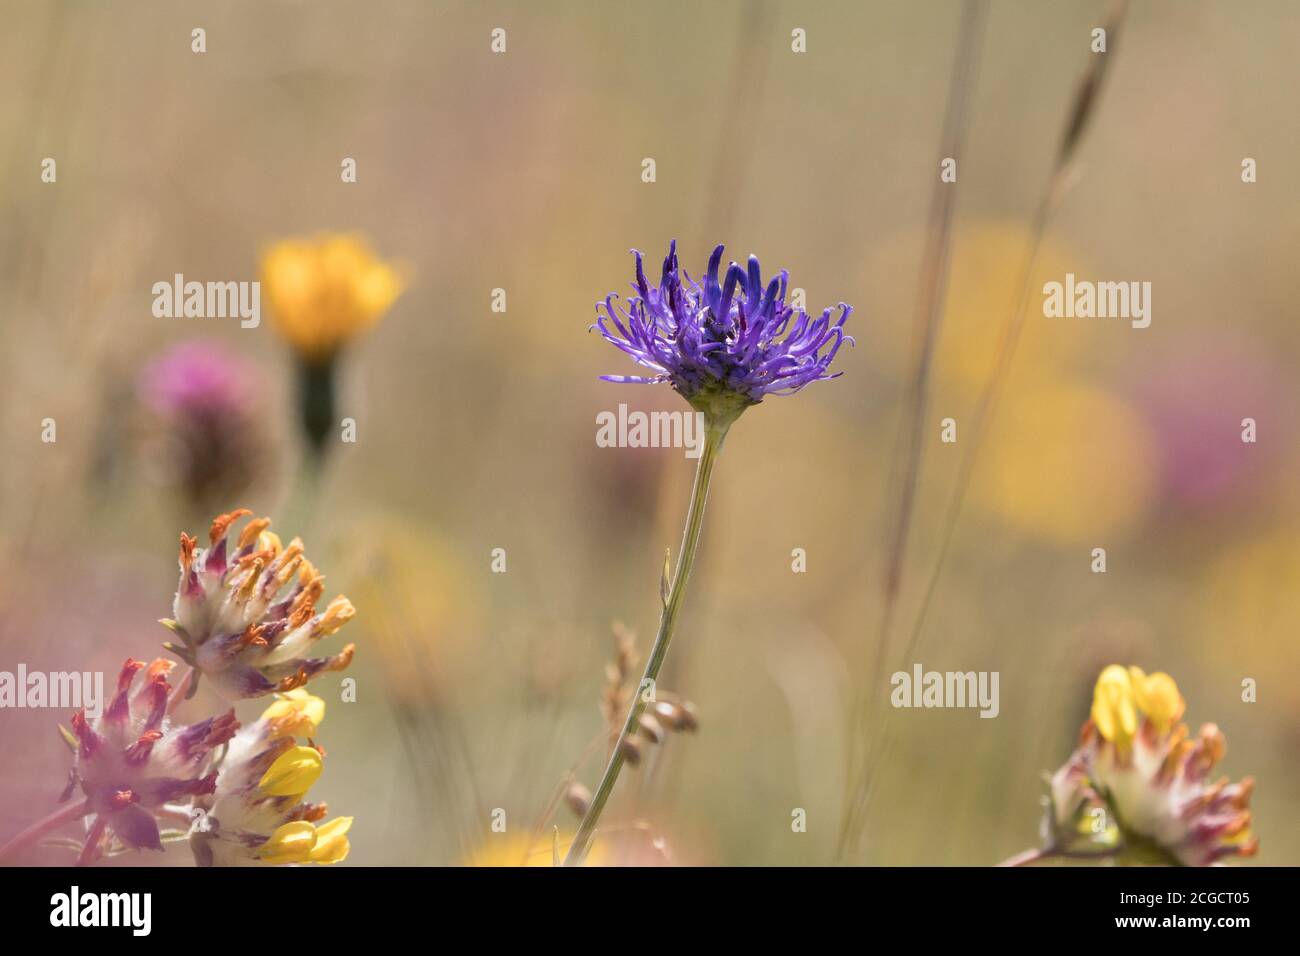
(1138, 787)
(246, 618)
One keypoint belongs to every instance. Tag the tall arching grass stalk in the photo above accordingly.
(865, 763)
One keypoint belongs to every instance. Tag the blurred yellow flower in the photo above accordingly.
(984, 287)
(1067, 462)
(326, 290)
(1253, 588)
(422, 603)
(1064, 460)
(503, 850)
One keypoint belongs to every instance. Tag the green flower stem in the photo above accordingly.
(715, 431)
(316, 390)
(299, 509)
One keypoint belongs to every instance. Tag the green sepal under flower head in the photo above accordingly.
(721, 405)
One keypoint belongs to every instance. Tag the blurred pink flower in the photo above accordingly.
(1195, 400)
(206, 438)
(196, 378)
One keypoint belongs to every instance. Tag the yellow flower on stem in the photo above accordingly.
(326, 290)
(323, 293)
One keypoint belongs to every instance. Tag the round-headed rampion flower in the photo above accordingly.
(256, 813)
(130, 763)
(722, 345)
(326, 290)
(1136, 765)
(209, 442)
(241, 621)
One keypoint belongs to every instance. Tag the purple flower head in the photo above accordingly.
(132, 761)
(195, 378)
(204, 432)
(722, 345)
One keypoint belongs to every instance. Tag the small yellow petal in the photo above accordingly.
(377, 289)
(332, 841)
(1113, 710)
(1157, 696)
(295, 714)
(293, 773)
(338, 613)
(269, 541)
(291, 843)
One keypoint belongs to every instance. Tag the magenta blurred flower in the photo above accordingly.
(1196, 400)
(196, 378)
(207, 438)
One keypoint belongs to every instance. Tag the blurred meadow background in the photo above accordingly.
(475, 429)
